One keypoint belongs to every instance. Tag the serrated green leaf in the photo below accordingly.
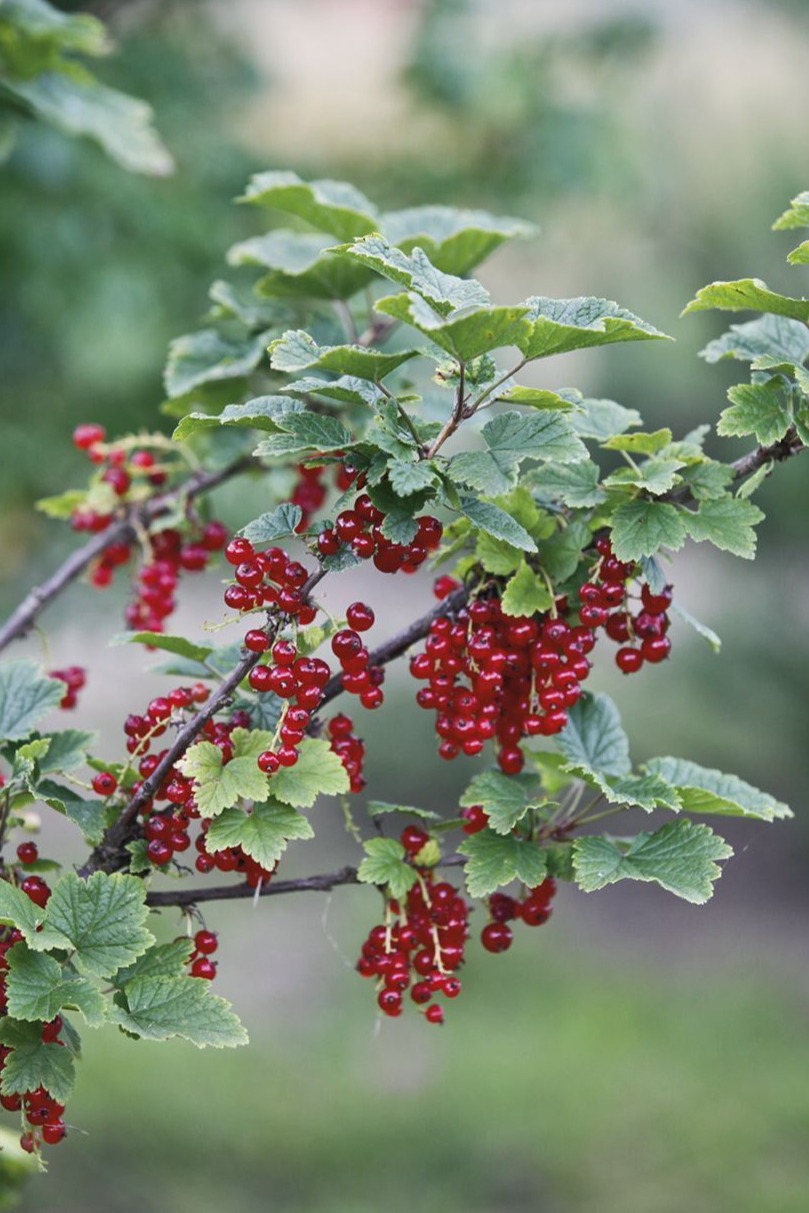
(704, 790)
(306, 432)
(749, 486)
(454, 240)
(600, 419)
(562, 552)
(497, 556)
(158, 1008)
(207, 356)
(642, 528)
(32, 1064)
(385, 864)
(219, 786)
(298, 351)
(17, 910)
(681, 857)
(100, 920)
(399, 526)
(318, 772)
(89, 816)
(37, 990)
(330, 206)
(727, 523)
(67, 750)
(655, 476)
(263, 833)
(377, 808)
(510, 438)
(301, 265)
(494, 860)
(526, 593)
(639, 444)
(800, 255)
(575, 485)
(594, 738)
(161, 960)
(534, 398)
(445, 292)
(466, 336)
(280, 523)
(647, 792)
(407, 478)
(26, 695)
(708, 480)
(496, 522)
(560, 325)
(166, 644)
(771, 337)
(347, 389)
(762, 409)
(504, 799)
(796, 215)
(261, 413)
(747, 294)
(239, 300)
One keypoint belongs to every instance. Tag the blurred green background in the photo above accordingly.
(638, 1054)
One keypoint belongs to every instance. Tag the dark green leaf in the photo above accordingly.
(642, 528)
(594, 739)
(282, 522)
(504, 799)
(559, 325)
(32, 1064)
(496, 522)
(158, 1008)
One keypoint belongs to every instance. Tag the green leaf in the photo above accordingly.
(747, 294)
(17, 910)
(727, 523)
(62, 506)
(77, 104)
(330, 206)
(298, 351)
(454, 240)
(703, 790)
(762, 409)
(708, 480)
(348, 389)
(466, 336)
(800, 255)
(504, 799)
(100, 920)
(444, 292)
(67, 750)
(655, 476)
(575, 485)
(770, 337)
(37, 991)
(510, 438)
(306, 432)
(26, 695)
(526, 593)
(218, 786)
(32, 1064)
(560, 325)
(639, 444)
(594, 739)
(681, 857)
(280, 523)
(167, 644)
(702, 629)
(158, 1008)
(399, 526)
(534, 398)
(796, 215)
(89, 816)
(647, 792)
(239, 300)
(493, 860)
(377, 808)
(261, 413)
(207, 356)
(318, 772)
(497, 556)
(600, 419)
(562, 552)
(301, 265)
(263, 833)
(407, 478)
(161, 960)
(384, 864)
(642, 528)
(496, 522)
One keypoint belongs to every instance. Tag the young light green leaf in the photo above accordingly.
(575, 485)
(207, 356)
(330, 206)
(747, 294)
(708, 480)
(298, 351)
(280, 523)
(494, 860)
(727, 523)
(318, 772)
(594, 738)
(466, 336)
(37, 991)
(496, 522)
(32, 1063)
(384, 864)
(762, 409)
(800, 255)
(681, 857)
(504, 799)
(639, 444)
(497, 556)
(100, 920)
(560, 325)
(263, 833)
(219, 787)
(26, 695)
(642, 528)
(655, 476)
(562, 552)
(704, 790)
(160, 1007)
(796, 215)
(534, 398)
(526, 592)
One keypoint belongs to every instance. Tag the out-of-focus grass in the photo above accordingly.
(565, 1082)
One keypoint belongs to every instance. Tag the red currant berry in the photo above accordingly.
(206, 942)
(360, 617)
(104, 784)
(629, 660)
(205, 968)
(27, 852)
(496, 937)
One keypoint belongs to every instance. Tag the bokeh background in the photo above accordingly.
(638, 1054)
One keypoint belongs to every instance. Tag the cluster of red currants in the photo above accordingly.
(361, 529)
(605, 598)
(75, 678)
(121, 469)
(267, 579)
(534, 909)
(199, 962)
(359, 676)
(349, 749)
(310, 492)
(172, 554)
(421, 945)
(297, 680)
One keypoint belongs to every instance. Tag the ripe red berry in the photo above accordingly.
(87, 434)
(360, 617)
(104, 784)
(36, 890)
(239, 550)
(496, 937)
(205, 968)
(27, 852)
(629, 660)
(206, 942)
(434, 1013)
(413, 839)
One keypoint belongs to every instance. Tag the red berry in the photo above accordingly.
(87, 434)
(104, 784)
(159, 851)
(256, 641)
(496, 937)
(413, 839)
(206, 942)
(53, 1133)
(36, 890)
(239, 550)
(360, 617)
(390, 1001)
(205, 968)
(434, 1013)
(655, 648)
(27, 852)
(629, 660)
